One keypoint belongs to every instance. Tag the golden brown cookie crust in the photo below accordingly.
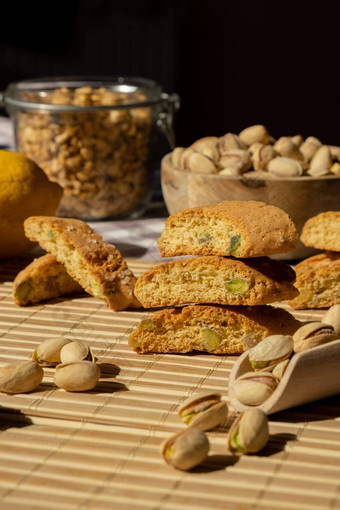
(219, 280)
(322, 231)
(45, 278)
(95, 264)
(210, 328)
(238, 228)
(318, 280)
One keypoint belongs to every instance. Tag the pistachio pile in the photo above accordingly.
(255, 153)
(185, 450)
(76, 368)
(270, 357)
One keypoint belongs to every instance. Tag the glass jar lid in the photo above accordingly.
(69, 94)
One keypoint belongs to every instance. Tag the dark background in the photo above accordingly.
(233, 64)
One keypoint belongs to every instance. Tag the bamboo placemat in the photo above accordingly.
(100, 449)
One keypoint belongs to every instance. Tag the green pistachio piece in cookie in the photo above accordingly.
(237, 286)
(147, 325)
(210, 339)
(204, 237)
(234, 243)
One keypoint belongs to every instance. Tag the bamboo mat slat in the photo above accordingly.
(100, 449)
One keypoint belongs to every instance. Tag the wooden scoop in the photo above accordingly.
(311, 375)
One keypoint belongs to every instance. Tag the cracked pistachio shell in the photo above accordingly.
(285, 167)
(254, 388)
(48, 352)
(199, 163)
(249, 433)
(286, 147)
(207, 146)
(332, 317)
(256, 133)
(186, 449)
(280, 368)
(229, 142)
(237, 159)
(76, 351)
(77, 376)
(261, 154)
(309, 147)
(20, 376)
(313, 334)
(205, 411)
(270, 351)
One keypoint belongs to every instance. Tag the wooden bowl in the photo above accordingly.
(300, 197)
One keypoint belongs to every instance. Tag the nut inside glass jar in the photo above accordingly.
(93, 137)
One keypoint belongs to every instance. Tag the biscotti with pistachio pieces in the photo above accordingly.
(322, 231)
(219, 280)
(210, 328)
(239, 228)
(95, 264)
(318, 280)
(44, 278)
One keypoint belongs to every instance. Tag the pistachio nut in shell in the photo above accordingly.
(256, 133)
(254, 388)
(205, 411)
(20, 376)
(285, 167)
(280, 369)
(77, 376)
(48, 352)
(270, 351)
(176, 156)
(332, 317)
(313, 334)
(187, 449)
(76, 351)
(207, 146)
(249, 433)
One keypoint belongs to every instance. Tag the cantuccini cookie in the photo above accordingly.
(219, 280)
(238, 228)
(210, 328)
(318, 280)
(95, 264)
(45, 278)
(322, 231)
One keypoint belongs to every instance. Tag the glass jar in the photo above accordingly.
(95, 137)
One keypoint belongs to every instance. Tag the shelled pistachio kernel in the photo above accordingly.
(313, 334)
(237, 286)
(48, 352)
(77, 375)
(254, 388)
(270, 351)
(20, 377)
(76, 351)
(249, 433)
(205, 411)
(210, 340)
(187, 449)
(332, 317)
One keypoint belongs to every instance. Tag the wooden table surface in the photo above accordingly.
(100, 449)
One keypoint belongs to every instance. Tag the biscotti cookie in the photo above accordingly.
(95, 264)
(322, 231)
(210, 328)
(318, 280)
(45, 278)
(238, 228)
(213, 279)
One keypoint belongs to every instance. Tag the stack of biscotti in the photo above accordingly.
(318, 277)
(77, 259)
(217, 298)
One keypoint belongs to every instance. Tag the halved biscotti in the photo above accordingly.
(213, 279)
(95, 264)
(322, 231)
(238, 228)
(45, 278)
(210, 328)
(318, 280)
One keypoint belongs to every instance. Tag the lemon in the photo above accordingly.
(24, 191)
